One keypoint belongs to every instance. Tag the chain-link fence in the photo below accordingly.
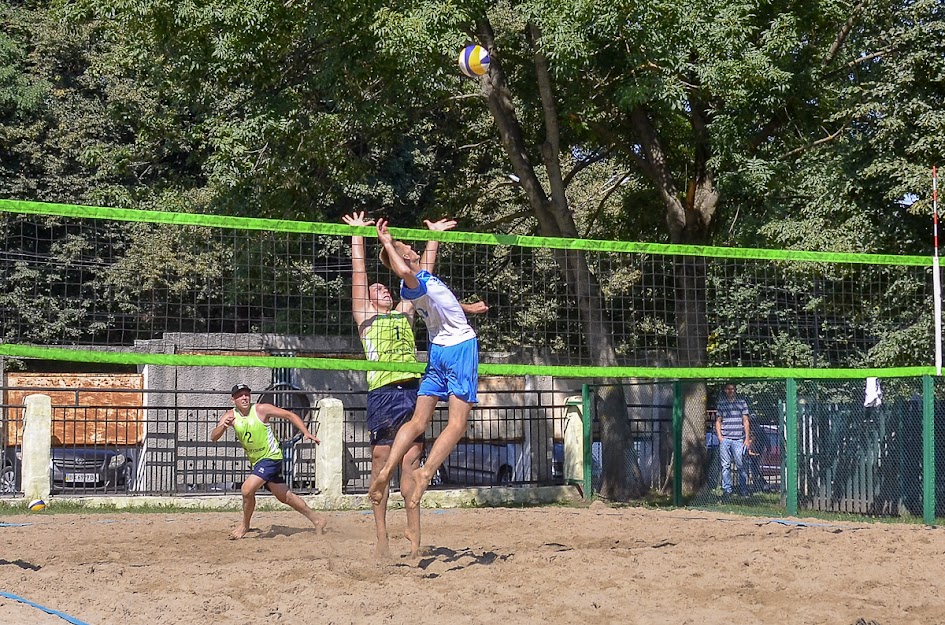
(857, 446)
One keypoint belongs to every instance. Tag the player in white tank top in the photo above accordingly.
(441, 311)
(451, 337)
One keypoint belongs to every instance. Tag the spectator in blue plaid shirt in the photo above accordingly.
(734, 431)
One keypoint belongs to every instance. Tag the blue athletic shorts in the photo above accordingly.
(388, 408)
(452, 370)
(269, 471)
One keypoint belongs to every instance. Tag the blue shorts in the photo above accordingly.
(269, 471)
(388, 408)
(452, 370)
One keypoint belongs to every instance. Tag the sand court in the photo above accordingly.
(533, 565)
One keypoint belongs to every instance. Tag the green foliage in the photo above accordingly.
(814, 136)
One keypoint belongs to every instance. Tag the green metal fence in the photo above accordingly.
(817, 446)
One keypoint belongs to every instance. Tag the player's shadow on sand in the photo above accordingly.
(282, 530)
(22, 564)
(444, 559)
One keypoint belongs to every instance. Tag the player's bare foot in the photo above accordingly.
(419, 552)
(414, 539)
(423, 480)
(378, 488)
(382, 551)
(319, 521)
(238, 533)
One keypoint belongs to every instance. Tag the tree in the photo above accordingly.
(701, 114)
(698, 100)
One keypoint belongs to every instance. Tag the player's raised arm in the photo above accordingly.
(428, 258)
(359, 280)
(265, 412)
(393, 257)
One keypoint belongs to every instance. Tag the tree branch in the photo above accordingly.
(609, 137)
(600, 205)
(551, 148)
(814, 144)
(499, 99)
(843, 34)
(584, 164)
(489, 227)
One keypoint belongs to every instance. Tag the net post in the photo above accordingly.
(588, 417)
(928, 451)
(936, 276)
(677, 442)
(790, 426)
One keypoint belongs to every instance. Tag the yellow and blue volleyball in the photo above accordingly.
(474, 61)
(37, 505)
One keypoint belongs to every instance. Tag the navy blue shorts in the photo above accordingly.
(388, 408)
(269, 471)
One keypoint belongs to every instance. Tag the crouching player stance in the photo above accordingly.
(251, 422)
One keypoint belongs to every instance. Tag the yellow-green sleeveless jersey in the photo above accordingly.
(389, 338)
(256, 437)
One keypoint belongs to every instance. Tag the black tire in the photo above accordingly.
(288, 397)
(8, 480)
(439, 478)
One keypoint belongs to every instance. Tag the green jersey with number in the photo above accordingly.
(389, 338)
(256, 437)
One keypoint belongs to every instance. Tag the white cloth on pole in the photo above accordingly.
(874, 393)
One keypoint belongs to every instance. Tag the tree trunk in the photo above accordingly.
(622, 478)
(688, 219)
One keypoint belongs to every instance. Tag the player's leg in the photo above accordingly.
(379, 455)
(725, 459)
(455, 429)
(286, 496)
(408, 483)
(408, 433)
(457, 368)
(250, 485)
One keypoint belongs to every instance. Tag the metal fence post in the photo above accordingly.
(587, 418)
(790, 425)
(928, 451)
(677, 442)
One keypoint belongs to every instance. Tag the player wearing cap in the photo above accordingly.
(251, 424)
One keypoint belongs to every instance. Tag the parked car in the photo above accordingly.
(74, 469)
(769, 461)
(482, 464)
(9, 477)
(771, 456)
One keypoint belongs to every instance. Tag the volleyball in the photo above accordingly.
(37, 505)
(474, 61)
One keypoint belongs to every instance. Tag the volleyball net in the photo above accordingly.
(128, 286)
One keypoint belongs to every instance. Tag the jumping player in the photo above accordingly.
(251, 423)
(451, 372)
(386, 332)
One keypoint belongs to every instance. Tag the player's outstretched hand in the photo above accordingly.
(357, 219)
(382, 234)
(441, 225)
(314, 438)
(476, 308)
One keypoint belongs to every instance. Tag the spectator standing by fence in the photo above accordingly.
(733, 429)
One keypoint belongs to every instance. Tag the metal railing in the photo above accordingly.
(161, 446)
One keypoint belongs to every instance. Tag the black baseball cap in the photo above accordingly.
(239, 388)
